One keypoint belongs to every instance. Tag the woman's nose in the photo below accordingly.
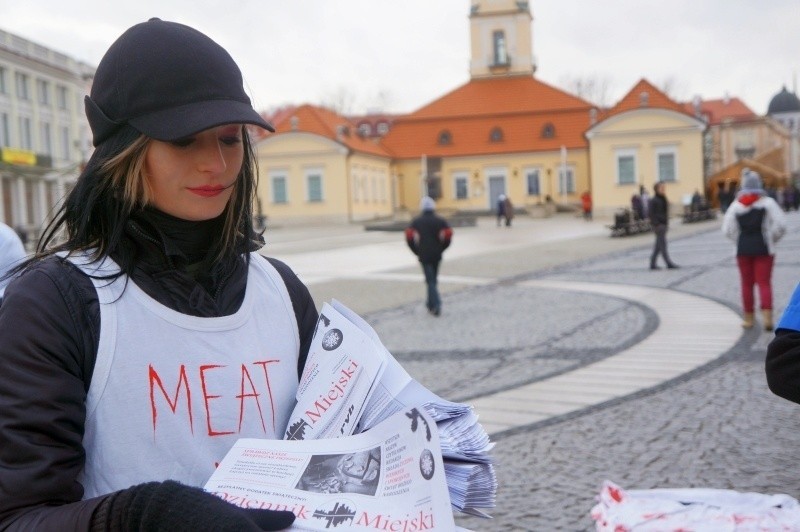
(211, 158)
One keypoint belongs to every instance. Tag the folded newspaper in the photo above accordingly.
(351, 385)
(390, 478)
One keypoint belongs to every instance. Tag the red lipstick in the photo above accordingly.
(208, 191)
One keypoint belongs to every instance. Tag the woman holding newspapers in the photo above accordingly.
(146, 335)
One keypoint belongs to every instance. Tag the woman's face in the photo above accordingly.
(193, 178)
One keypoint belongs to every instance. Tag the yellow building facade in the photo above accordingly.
(503, 132)
(645, 139)
(322, 172)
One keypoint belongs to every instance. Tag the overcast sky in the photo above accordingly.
(399, 55)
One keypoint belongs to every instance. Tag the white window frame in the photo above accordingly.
(66, 148)
(43, 91)
(275, 177)
(46, 138)
(499, 48)
(25, 135)
(632, 153)
(62, 97)
(356, 188)
(529, 172)
(460, 177)
(5, 130)
(23, 89)
(382, 189)
(311, 173)
(567, 181)
(667, 150)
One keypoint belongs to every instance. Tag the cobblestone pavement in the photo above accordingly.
(717, 427)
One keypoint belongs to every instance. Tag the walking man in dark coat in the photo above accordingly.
(659, 220)
(428, 236)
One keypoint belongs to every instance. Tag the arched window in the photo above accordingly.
(445, 138)
(364, 129)
(496, 135)
(548, 131)
(500, 51)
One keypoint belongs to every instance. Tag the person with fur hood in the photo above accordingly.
(755, 222)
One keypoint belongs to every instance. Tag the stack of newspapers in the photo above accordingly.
(354, 391)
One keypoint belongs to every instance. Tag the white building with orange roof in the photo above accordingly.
(317, 168)
(502, 132)
(512, 135)
(645, 138)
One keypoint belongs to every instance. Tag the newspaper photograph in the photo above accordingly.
(389, 478)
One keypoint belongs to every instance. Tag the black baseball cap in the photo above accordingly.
(168, 81)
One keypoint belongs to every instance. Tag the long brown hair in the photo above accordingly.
(113, 186)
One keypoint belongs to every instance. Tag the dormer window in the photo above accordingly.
(548, 131)
(644, 99)
(500, 48)
(364, 129)
(496, 135)
(445, 138)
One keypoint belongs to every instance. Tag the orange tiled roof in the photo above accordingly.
(492, 96)
(656, 99)
(519, 106)
(717, 111)
(326, 123)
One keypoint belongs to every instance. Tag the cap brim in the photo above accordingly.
(185, 120)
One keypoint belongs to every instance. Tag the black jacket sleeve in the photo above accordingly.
(304, 309)
(46, 333)
(783, 364)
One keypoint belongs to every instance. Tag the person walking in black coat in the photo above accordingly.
(428, 236)
(659, 220)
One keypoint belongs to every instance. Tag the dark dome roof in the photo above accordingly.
(784, 102)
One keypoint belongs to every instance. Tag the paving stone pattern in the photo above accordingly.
(718, 427)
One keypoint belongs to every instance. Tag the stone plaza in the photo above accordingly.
(529, 307)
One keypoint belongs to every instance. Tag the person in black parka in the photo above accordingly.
(428, 236)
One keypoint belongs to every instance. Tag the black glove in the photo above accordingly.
(174, 507)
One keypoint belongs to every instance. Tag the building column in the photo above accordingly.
(19, 215)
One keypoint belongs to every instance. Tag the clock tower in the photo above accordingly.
(500, 32)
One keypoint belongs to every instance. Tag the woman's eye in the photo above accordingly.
(231, 140)
(182, 143)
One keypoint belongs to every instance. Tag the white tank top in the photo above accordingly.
(171, 393)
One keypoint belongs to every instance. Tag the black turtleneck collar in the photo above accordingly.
(183, 239)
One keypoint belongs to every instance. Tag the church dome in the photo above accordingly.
(784, 102)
